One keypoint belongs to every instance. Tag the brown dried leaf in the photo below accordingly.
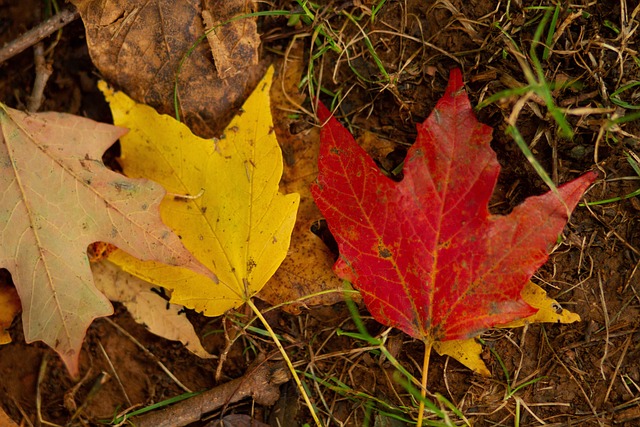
(147, 307)
(307, 268)
(138, 47)
(235, 45)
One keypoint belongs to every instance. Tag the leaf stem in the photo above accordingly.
(296, 378)
(428, 344)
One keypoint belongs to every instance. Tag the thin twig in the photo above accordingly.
(42, 372)
(34, 35)
(115, 373)
(262, 384)
(606, 326)
(43, 72)
(148, 353)
(615, 373)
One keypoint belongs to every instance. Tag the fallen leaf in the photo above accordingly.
(307, 268)
(234, 44)
(9, 308)
(5, 421)
(139, 46)
(468, 351)
(549, 310)
(425, 253)
(225, 204)
(58, 197)
(147, 307)
(99, 250)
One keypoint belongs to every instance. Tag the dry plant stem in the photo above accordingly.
(278, 344)
(70, 396)
(148, 353)
(617, 370)
(41, 374)
(607, 342)
(227, 347)
(428, 344)
(115, 373)
(43, 72)
(34, 35)
(261, 383)
(25, 417)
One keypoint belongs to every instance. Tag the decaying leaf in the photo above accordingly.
(224, 199)
(5, 420)
(58, 197)
(147, 307)
(468, 351)
(9, 308)
(138, 47)
(307, 268)
(234, 45)
(425, 253)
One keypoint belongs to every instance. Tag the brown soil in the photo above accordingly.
(586, 373)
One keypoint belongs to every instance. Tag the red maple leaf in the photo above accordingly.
(425, 253)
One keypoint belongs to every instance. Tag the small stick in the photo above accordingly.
(262, 384)
(39, 32)
(43, 72)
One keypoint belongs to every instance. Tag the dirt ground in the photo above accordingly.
(582, 374)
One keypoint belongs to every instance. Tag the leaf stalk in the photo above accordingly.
(287, 360)
(428, 345)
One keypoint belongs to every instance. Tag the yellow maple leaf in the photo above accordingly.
(222, 200)
(468, 351)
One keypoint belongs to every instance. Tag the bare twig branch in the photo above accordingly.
(262, 384)
(43, 72)
(34, 35)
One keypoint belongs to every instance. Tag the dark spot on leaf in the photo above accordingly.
(250, 265)
(384, 252)
(123, 185)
